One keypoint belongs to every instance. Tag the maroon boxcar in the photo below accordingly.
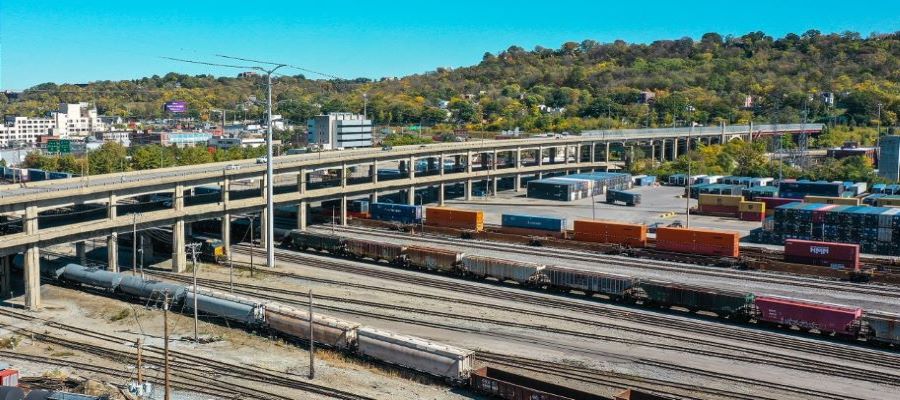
(510, 386)
(832, 255)
(826, 318)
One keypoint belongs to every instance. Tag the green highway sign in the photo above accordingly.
(63, 146)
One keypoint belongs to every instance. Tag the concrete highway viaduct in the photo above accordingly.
(301, 179)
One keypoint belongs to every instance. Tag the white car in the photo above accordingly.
(262, 160)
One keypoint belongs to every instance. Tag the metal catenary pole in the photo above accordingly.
(193, 247)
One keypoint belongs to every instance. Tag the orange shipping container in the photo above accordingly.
(634, 235)
(454, 218)
(700, 241)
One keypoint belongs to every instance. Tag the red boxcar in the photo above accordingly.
(822, 317)
(832, 255)
(9, 377)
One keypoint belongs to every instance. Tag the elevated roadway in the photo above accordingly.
(300, 179)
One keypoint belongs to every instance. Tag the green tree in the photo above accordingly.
(151, 156)
(193, 155)
(110, 157)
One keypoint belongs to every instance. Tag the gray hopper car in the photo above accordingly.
(883, 326)
(329, 331)
(524, 273)
(228, 306)
(452, 363)
(375, 250)
(590, 282)
(432, 259)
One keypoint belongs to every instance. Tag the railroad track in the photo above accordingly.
(643, 263)
(753, 355)
(298, 298)
(190, 371)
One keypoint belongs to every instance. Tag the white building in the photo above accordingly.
(340, 131)
(76, 120)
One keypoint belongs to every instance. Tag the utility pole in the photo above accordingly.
(142, 257)
(166, 345)
(252, 245)
(230, 272)
(312, 346)
(687, 198)
(193, 247)
(140, 373)
(134, 241)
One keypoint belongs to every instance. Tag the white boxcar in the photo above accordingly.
(519, 271)
(452, 363)
(589, 281)
(211, 303)
(327, 330)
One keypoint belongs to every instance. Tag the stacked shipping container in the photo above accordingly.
(753, 193)
(752, 211)
(731, 190)
(633, 235)
(844, 201)
(872, 228)
(396, 212)
(577, 186)
(698, 241)
(832, 255)
(801, 189)
(720, 205)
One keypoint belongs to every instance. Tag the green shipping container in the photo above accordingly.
(722, 302)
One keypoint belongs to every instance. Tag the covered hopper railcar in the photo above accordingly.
(452, 363)
(695, 298)
(589, 282)
(825, 318)
(882, 327)
(524, 273)
(432, 259)
(377, 251)
(332, 332)
(301, 240)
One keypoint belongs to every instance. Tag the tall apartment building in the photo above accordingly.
(889, 158)
(70, 121)
(340, 130)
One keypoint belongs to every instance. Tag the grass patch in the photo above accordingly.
(10, 342)
(61, 354)
(122, 314)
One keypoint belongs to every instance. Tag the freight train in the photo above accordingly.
(850, 322)
(446, 362)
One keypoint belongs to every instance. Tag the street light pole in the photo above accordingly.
(687, 198)
(270, 180)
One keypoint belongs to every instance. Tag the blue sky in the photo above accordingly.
(79, 41)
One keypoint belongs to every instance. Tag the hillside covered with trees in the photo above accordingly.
(581, 85)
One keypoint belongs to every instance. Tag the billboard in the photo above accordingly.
(176, 106)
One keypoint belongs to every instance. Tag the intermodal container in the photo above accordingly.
(844, 201)
(872, 199)
(455, 218)
(630, 199)
(752, 216)
(773, 202)
(633, 235)
(9, 377)
(888, 201)
(698, 241)
(553, 224)
(551, 189)
(722, 302)
(827, 318)
(396, 213)
(720, 200)
(752, 207)
(832, 255)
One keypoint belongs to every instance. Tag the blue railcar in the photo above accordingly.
(35, 175)
(58, 175)
(552, 224)
(396, 213)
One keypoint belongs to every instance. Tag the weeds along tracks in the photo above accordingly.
(642, 263)
(189, 369)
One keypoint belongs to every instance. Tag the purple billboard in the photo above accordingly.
(176, 106)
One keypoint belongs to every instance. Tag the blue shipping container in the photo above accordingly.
(534, 222)
(59, 175)
(35, 175)
(396, 212)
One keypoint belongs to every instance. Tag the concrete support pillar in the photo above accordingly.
(441, 193)
(674, 149)
(518, 182)
(374, 171)
(32, 277)
(412, 167)
(494, 160)
(301, 215)
(652, 152)
(373, 197)
(518, 157)
(179, 256)
(607, 156)
(178, 197)
(662, 151)
(343, 175)
(343, 216)
(593, 153)
(540, 175)
(32, 262)
(112, 252)
(411, 196)
(441, 161)
(301, 181)
(469, 162)
(5, 276)
(111, 206)
(494, 181)
(81, 252)
(226, 217)
(578, 153)
(469, 189)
